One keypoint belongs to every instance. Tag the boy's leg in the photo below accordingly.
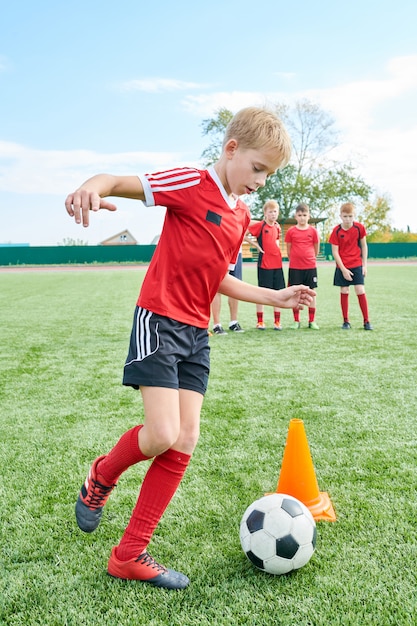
(103, 477)
(312, 315)
(344, 303)
(233, 309)
(363, 304)
(260, 317)
(163, 476)
(137, 444)
(216, 308)
(125, 453)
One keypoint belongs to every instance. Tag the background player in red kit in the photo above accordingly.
(270, 274)
(168, 357)
(303, 245)
(350, 251)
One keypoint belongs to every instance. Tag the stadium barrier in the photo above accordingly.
(79, 255)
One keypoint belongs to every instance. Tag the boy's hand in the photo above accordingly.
(296, 297)
(347, 274)
(81, 202)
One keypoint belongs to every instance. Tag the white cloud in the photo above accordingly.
(157, 85)
(25, 170)
(204, 105)
(380, 139)
(377, 120)
(354, 104)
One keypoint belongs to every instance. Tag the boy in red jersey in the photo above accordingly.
(270, 274)
(303, 245)
(168, 358)
(350, 251)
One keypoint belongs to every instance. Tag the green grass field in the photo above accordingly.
(63, 340)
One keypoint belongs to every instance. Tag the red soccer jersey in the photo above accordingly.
(303, 251)
(199, 243)
(268, 238)
(349, 243)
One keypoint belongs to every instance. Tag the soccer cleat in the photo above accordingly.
(236, 328)
(295, 326)
(91, 500)
(313, 326)
(260, 326)
(147, 570)
(277, 326)
(367, 326)
(346, 326)
(219, 330)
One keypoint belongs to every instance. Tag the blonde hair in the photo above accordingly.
(270, 204)
(348, 208)
(255, 128)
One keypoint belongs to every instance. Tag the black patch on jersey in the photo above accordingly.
(214, 218)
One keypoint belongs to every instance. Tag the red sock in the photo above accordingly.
(311, 313)
(125, 453)
(160, 484)
(277, 317)
(363, 303)
(260, 317)
(296, 313)
(344, 303)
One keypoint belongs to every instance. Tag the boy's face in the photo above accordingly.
(302, 217)
(271, 214)
(347, 220)
(247, 169)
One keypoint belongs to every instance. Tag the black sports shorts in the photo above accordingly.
(166, 353)
(237, 272)
(303, 277)
(271, 279)
(358, 277)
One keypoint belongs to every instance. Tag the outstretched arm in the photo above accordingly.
(90, 196)
(294, 297)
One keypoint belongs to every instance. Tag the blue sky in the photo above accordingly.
(88, 87)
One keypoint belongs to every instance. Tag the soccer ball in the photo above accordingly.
(278, 533)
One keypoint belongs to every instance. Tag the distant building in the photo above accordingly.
(125, 238)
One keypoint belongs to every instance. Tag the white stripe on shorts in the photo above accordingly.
(143, 336)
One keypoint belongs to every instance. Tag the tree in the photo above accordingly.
(401, 236)
(374, 216)
(215, 127)
(69, 241)
(312, 176)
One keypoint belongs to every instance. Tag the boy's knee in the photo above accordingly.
(187, 441)
(156, 440)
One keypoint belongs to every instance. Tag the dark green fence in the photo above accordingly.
(62, 255)
(382, 250)
(59, 255)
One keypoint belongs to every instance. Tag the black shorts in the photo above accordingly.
(303, 277)
(237, 272)
(357, 279)
(166, 353)
(271, 279)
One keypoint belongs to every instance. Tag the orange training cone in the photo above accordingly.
(298, 478)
